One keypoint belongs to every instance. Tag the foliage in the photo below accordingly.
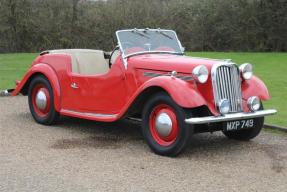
(249, 25)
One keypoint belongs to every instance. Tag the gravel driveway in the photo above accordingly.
(79, 155)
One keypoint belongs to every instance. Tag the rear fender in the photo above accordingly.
(49, 73)
(185, 94)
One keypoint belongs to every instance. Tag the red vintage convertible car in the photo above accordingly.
(147, 76)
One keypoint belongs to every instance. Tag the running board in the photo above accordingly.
(90, 116)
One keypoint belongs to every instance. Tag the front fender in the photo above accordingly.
(183, 93)
(254, 87)
(49, 73)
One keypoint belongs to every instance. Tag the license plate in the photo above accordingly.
(237, 125)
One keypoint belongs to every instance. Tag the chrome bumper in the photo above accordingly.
(230, 117)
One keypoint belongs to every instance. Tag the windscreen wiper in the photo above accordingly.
(136, 31)
(164, 34)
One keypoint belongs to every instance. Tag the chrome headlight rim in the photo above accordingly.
(224, 106)
(200, 73)
(246, 71)
(253, 103)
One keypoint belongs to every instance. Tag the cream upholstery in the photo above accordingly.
(86, 61)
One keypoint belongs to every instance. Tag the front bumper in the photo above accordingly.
(230, 117)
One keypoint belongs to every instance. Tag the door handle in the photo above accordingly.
(74, 86)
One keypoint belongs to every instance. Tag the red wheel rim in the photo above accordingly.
(41, 100)
(166, 133)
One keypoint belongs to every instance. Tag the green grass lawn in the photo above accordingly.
(271, 67)
(13, 67)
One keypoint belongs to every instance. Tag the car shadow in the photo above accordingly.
(127, 132)
(122, 133)
(100, 134)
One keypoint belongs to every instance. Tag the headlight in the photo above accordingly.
(246, 71)
(200, 73)
(253, 103)
(224, 106)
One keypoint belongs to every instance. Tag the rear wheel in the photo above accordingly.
(247, 134)
(41, 101)
(163, 126)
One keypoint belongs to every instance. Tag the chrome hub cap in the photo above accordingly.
(163, 124)
(41, 100)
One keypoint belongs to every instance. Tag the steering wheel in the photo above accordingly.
(117, 48)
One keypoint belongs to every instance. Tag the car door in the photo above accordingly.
(103, 93)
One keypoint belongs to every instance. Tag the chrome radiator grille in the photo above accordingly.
(227, 85)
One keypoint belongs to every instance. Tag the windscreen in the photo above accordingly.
(146, 41)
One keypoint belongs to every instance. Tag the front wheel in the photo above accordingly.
(163, 126)
(247, 134)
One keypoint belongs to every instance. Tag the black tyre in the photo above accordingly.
(247, 134)
(41, 101)
(163, 126)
